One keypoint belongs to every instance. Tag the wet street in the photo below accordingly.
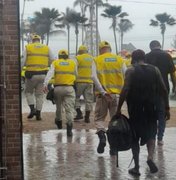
(50, 155)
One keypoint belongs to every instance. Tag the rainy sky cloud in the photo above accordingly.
(140, 12)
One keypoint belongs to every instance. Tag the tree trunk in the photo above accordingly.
(68, 40)
(162, 41)
(76, 43)
(76, 32)
(121, 42)
(115, 39)
(82, 13)
(42, 39)
(47, 38)
(83, 33)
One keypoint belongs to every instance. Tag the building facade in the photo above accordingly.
(11, 153)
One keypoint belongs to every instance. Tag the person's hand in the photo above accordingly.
(167, 115)
(173, 90)
(108, 97)
(45, 89)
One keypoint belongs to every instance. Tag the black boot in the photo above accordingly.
(86, 119)
(102, 142)
(58, 123)
(32, 113)
(38, 115)
(69, 130)
(79, 114)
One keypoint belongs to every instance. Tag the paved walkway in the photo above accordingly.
(49, 107)
(50, 155)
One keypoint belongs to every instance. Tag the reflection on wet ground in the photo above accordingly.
(50, 155)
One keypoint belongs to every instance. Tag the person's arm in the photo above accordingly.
(173, 80)
(51, 57)
(76, 60)
(96, 80)
(49, 75)
(124, 69)
(163, 93)
(76, 68)
(125, 90)
(171, 71)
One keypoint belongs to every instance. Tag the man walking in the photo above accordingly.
(84, 83)
(143, 85)
(64, 72)
(163, 61)
(36, 58)
(108, 77)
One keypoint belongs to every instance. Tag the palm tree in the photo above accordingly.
(76, 20)
(124, 26)
(162, 20)
(23, 30)
(114, 13)
(43, 22)
(66, 20)
(81, 4)
(87, 4)
(84, 4)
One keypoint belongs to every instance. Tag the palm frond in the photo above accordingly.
(171, 21)
(125, 25)
(153, 22)
(123, 14)
(77, 2)
(105, 15)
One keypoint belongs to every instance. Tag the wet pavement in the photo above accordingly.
(50, 155)
(49, 107)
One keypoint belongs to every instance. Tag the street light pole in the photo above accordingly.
(91, 26)
(22, 26)
(97, 35)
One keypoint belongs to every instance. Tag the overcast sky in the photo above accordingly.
(140, 12)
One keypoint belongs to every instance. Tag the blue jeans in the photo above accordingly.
(161, 119)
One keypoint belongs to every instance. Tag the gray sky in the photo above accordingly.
(140, 12)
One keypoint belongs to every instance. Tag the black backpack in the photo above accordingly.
(119, 133)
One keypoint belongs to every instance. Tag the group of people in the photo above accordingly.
(144, 86)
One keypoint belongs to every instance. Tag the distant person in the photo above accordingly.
(37, 57)
(108, 77)
(126, 55)
(84, 83)
(128, 59)
(143, 84)
(64, 71)
(164, 62)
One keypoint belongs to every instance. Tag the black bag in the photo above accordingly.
(28, 74)
(50, 95)
(119, 133)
